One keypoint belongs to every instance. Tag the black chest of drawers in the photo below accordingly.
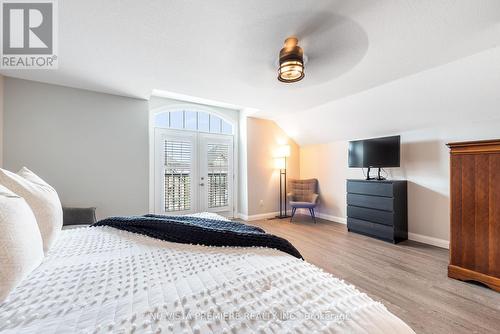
(378, 209)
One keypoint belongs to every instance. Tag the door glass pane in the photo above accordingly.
(218, 170)
(161, 120)
(190, 120)
(178, 160)
(226, 128)
(203, 120)
(177, 119)
(215, 124)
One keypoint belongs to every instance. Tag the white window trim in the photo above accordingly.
(194, 108)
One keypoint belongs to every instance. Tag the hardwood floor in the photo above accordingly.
(409, 278)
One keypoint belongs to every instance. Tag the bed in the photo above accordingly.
(102, 279)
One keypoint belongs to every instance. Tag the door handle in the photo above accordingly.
(202, 184)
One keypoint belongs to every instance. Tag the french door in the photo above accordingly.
(193, 172)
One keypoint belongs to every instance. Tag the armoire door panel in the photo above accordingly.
(456, 210)
(481, 231)
(468, 211)
(494, 216)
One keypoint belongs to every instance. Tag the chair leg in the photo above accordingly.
(293, 213)
(311, 210)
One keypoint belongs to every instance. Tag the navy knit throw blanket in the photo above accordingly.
(202, 231)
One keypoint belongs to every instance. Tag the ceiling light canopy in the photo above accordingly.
(291, 68)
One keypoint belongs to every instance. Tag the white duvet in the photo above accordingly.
(101, 280)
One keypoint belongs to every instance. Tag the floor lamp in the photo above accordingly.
(280, 163)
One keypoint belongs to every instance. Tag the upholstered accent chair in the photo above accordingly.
(303, 195)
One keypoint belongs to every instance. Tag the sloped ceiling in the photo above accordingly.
(226, 51)
(464, 90)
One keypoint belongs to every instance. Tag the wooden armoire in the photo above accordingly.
(475, 212)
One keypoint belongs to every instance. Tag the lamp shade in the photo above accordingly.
(283, 151)
(279, 163)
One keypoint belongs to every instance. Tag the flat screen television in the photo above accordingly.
(377, 152)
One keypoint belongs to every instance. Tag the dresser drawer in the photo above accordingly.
(371, 215)
(370, 188)
(372, 202)
(371, 229)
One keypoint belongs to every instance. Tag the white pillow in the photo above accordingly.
(42, 199)
(21, 247)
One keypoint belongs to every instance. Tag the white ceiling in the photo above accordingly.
(226, 51)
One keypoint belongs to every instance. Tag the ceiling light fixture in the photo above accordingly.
(291, 68)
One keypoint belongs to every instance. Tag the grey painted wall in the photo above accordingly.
(92, 147)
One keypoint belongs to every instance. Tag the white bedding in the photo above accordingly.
(100, 280)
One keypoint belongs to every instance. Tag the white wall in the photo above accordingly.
(92, 147)
(424, 163)
(263, 138)
(328, 164)
(243, 167)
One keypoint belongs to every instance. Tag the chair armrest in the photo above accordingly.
(314, 198)
(78, 216)
(290, 196)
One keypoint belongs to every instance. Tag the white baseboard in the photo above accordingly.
(411, 236)
(268, 215)
(259, 216)
(242, 216)
(332, 218)
(325, 216)
(429, 240)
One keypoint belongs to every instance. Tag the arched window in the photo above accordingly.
(192, 120)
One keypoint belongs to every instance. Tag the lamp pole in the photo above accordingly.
(284, 197)
(281, 193)
(280, 163)
(283, 213)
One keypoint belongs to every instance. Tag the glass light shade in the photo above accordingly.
(282, 151)
(291, 61)
(291, 71)
(279, 163)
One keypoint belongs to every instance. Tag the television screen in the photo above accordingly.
(377, 152)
